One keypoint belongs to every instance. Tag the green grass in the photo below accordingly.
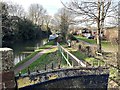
(91, 41)
(50, 43)
(26, 59)
(46, 46)
(82, 56)
(94, 61)
(39, 62)
(63, 62)
(105, 44)
(79, 55)
(29, 48)
(90, 60)
(113, 72)
(48, 59)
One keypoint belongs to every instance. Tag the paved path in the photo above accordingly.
(26, 64)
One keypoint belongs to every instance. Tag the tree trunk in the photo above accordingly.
(99, 40)
(118, 57)
(99, 29)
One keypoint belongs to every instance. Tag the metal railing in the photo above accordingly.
(69, 56)
(80, 68)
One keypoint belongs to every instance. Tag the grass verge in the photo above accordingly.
(26, 59)
(46, 46)
(53, 56)
(90, 60)
(92, 41)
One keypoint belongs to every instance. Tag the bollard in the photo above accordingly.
(59, 63)
(6, 70)
(20, 74)
(59, 66)
(37, 69)
(79, 47)
(28, 71)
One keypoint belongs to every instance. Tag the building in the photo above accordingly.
(111, 33)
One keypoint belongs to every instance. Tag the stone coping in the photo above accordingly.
(5, 49)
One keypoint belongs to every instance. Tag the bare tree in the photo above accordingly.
(37, 13)
(92, 12)
(66, 18)
(55, 23)
(16, 10)
(47, 20)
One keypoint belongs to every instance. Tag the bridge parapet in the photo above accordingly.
(59, 74)
(7, 79)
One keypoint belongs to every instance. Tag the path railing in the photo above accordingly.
(47, 75)
(67, 56)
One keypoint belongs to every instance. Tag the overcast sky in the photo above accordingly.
(51, 6)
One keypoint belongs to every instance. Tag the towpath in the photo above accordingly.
(27, 63)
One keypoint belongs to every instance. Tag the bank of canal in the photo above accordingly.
(22, 49)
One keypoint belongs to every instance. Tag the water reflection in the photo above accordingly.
(19, 57)
(22, 49)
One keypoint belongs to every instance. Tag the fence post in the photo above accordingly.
(45, 67)
(62, 53)
(28, 71)
(67, 56)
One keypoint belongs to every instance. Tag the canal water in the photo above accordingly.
(22, 49)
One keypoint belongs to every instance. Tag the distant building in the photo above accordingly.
(108, 33)
(111, 33)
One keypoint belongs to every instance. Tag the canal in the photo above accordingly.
(22, 49)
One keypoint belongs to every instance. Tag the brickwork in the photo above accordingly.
(7, 74)
(7, 59)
